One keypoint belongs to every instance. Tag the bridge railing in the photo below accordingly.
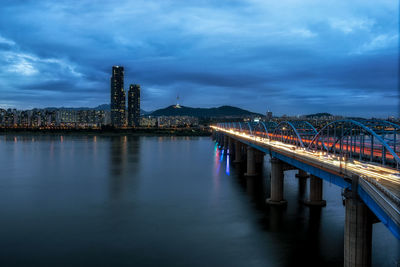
(365, 140)
(383, 189)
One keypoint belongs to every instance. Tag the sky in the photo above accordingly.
(290, 57)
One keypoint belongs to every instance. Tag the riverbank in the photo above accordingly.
(110, 131)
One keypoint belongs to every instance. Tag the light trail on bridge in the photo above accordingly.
(348, 148)
(385, 176)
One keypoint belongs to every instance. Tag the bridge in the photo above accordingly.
(360, 156)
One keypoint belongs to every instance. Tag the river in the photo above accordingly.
(158, 201)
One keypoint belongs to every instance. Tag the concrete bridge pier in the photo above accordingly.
(357, 229)
(225, 142)
(219, 140)
(302, 174)
(251, 162)
(230, 146)
(260, 157)
(315, 198)
(238, 152)
(357, 234)
(276, 183)
(259, 160)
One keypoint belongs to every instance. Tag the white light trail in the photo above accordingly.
(363, 169)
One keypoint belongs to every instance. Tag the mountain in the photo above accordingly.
(318, 115)
(102, 107)
(223, 111)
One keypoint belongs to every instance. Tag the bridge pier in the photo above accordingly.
(302, 174)
(230, 146)
(220, 140)
(259, 157)
(315, 198)
(238, 152)
(225, 142)
(251, 162)
(357, 229)
(357, 234)
(276, 183)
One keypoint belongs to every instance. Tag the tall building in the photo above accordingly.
(134, 105)
(118, 97)
(269, 115)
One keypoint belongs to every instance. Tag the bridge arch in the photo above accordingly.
(246, 127)
(240, 126)
(265, 129)
(299, 133)
(249, 126)
(373, 140)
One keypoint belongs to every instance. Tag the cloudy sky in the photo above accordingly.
(291, 57)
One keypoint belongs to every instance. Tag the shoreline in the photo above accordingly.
(110, 131)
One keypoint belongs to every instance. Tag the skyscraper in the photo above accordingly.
(134, 105)
(117, 97)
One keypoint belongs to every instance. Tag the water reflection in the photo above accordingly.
(227, 170)
(118, 156)
(118, 201)
(124, 160)
(217, 160)
(216, 167)
(302, 183)
(276, 218)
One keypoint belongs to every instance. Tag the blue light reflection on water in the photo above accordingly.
(227, 171)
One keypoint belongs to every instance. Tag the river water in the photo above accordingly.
(158, 201)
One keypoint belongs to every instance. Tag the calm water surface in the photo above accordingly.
(158, 201)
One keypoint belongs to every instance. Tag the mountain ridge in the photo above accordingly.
(173, 110)
(222, 111)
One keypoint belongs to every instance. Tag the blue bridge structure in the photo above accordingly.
(360, 156)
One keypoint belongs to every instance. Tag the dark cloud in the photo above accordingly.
(287, 57)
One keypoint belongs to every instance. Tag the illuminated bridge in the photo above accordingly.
(360, 156)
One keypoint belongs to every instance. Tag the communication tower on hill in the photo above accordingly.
(177, 102)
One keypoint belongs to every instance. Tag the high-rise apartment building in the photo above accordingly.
(134, 105)
(118, 97)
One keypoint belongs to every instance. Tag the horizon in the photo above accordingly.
(288, 63)
(183, 106)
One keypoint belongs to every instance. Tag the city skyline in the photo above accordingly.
(238, 54)
(200, 133)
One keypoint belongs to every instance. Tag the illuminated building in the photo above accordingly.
(117, 97)
(148, 121)
(177, 121)
(134, 105)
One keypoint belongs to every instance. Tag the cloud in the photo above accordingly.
(6, 41)
(304, 33)
(19, 64)
(251, 53)
(351, 25)
(378, 42)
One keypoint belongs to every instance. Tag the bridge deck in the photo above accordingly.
(381, 185)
